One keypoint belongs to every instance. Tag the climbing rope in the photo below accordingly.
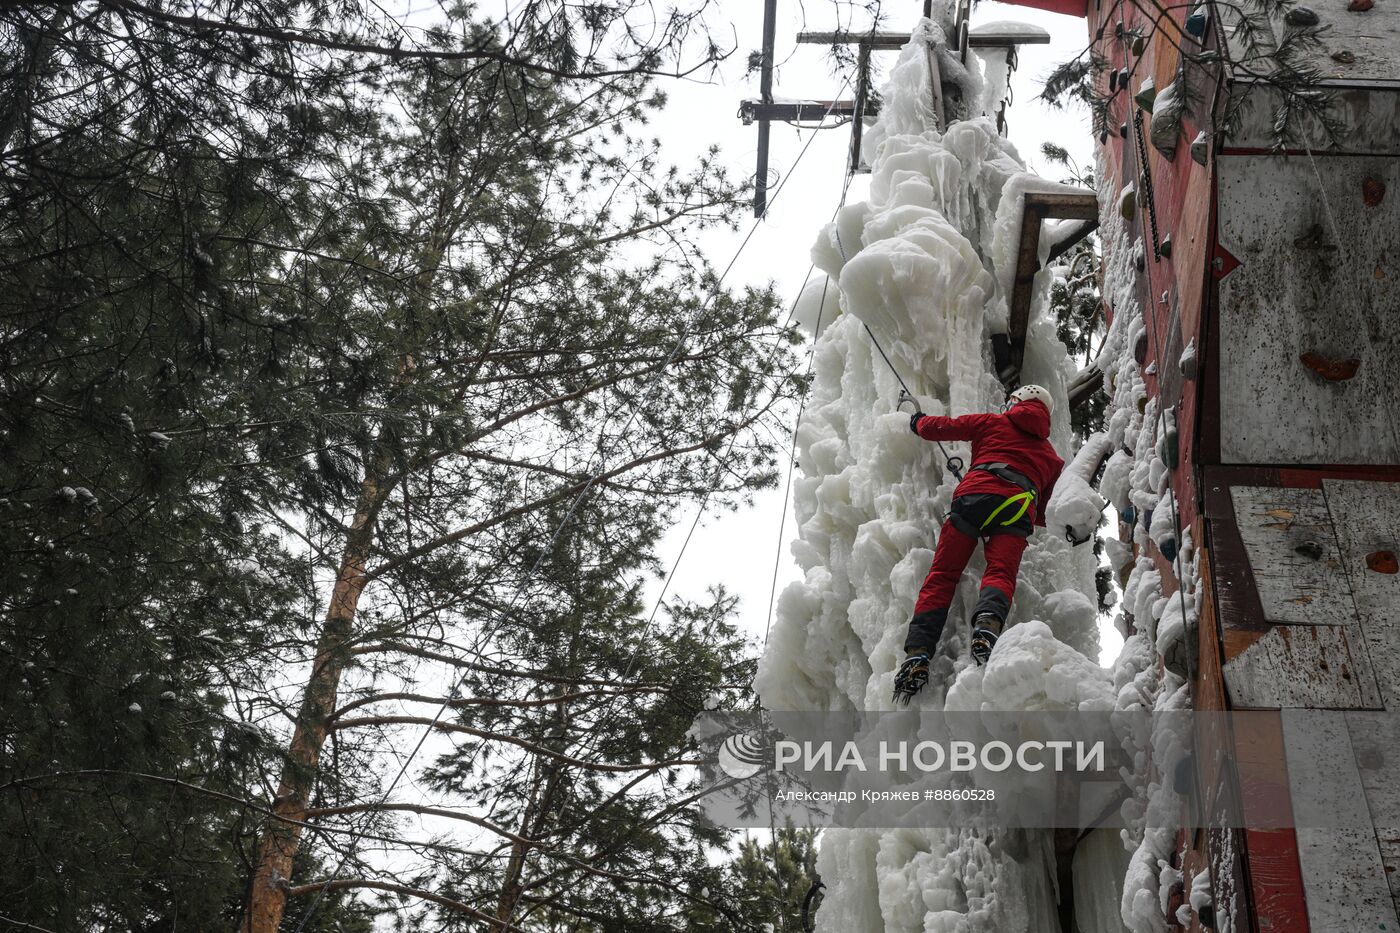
(1148, 197)
(955, 464)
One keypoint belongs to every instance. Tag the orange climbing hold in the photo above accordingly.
(1382, 562)
(1373, 192)
(1331, 370)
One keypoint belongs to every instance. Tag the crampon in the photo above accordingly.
(983, 641)
(912, 676)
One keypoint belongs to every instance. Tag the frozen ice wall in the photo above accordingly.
(927, 263)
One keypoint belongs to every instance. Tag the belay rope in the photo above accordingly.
(955, 464)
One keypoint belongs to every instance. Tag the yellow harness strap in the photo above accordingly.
(1024, 498)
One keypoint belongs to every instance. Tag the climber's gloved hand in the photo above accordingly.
(914, 421)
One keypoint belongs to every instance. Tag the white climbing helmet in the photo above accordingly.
(1027, 393)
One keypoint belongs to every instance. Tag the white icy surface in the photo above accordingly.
(927, 264)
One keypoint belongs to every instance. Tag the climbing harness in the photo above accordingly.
(1025, 497)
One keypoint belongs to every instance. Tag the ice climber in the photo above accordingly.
(1000, 500)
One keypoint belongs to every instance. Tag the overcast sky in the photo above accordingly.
(739, 549)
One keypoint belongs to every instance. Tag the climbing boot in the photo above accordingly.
(985, 629)
(912, 676)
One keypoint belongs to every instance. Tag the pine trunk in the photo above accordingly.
(282, 832)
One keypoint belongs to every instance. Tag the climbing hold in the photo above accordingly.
(1196, 22)
(1170, 447)
(1112, 81)
(1372, 192)
(1344, 57)
(1123, 129)
(1309, 549)
(1382, 562)
(1300, 16)
(1223, 262)
(1165, 247)
(1330, 369)
(1139, 45)
(1200, 147)
(1315, 238)
(1187, 363)
(1168, 547)
(1140, 348)
(1128, 514)
(1166, 110)
(1127, 200)
(1184, 774)
(1146, 95)
(1379, 273)
(1360, 6)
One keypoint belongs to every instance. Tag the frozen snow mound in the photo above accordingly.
(926, 264)
(1034, 671)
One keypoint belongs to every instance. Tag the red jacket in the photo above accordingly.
(1017, 438)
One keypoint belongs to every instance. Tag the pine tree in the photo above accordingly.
(533, 378)
(766, 885)
(145, 581)
(314, 335)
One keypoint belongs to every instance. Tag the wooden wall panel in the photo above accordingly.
(1367, 518)
(1296, 292)
(1301, 660)
(1300, 667)
(1375, 741)
(1293, 555)
(1343, 875)
(1275, 875)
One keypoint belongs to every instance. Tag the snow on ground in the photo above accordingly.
(926, 263)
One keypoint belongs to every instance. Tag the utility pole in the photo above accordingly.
(765, 109)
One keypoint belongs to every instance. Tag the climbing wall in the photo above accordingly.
(926, 262)
(1309, 313)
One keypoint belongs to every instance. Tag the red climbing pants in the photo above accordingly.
(950, 557)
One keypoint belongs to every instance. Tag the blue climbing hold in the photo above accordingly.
(1197, 21)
